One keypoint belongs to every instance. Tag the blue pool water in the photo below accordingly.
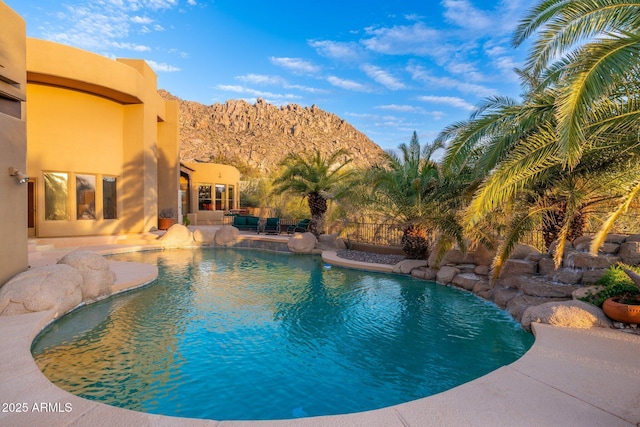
(249, 335)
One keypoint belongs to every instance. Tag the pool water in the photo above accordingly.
(248, 335)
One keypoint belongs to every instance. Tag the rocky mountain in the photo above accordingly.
(258, 136)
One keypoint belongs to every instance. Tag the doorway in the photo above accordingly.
(31, 208)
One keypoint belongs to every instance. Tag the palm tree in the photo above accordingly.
(405, 187)
(315, 178)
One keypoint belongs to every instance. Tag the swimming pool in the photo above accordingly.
(227, 334)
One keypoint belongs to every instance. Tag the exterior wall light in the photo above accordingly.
(20, 176)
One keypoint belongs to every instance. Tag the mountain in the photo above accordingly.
(258, 136)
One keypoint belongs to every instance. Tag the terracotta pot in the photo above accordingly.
(625, 313)
(166, 223)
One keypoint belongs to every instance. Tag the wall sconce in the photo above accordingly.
(20, 177)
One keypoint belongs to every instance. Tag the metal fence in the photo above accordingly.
(373, 234)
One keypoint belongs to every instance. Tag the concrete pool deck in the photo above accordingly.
(570, 377)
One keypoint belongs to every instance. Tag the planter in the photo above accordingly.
(166, 223)
(621, 312)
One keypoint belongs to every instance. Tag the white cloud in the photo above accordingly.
(382, 77)
(162, 67)
(191, 2)
(452, 101)
(345, 51)
(465, 15)
(141, 20)
(347, 84)
(416, 39)
(296, 65)
(261, 79)
(420, 74)
(401, 108)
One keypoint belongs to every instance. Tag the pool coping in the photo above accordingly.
(569, 377)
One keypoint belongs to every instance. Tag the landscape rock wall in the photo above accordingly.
(529, 277)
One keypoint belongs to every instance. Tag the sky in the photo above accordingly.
(387, 67)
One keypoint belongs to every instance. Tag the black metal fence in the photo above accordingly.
(373, 234)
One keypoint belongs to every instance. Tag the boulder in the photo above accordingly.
(408, 265)
(590, 277)
(546, 266)
(583, 243)
(587, 261)
(635, 277)
(482, 270)
(483, 289)
(538, 287)
(567, 275)
(585, 291)
(633, 238)
(176, 236)
(466, 280)
(517, 267)
(446, 274)
(566, 314)
(518, 305)
(616, 238)
(521, 251)
(483, 255)
(227, 235)
(609, 248)
(204, 236)
(56, 287)
(502, 295)
(452, 256)
(630, 253)
(331, 242)
(98, 278)
(425, 273)
(568, 246)
(302, 243)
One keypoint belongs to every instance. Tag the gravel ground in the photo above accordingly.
(370, 257)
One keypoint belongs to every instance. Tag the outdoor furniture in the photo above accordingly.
(247, 222)
(272, 225)
(300, 227)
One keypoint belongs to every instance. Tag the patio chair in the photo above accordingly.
(300, 227)
(272, 225)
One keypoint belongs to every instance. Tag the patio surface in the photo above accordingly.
(570, 377)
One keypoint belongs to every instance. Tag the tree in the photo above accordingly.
(315, 178)
(409, 187)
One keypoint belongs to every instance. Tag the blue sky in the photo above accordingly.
(387, 67)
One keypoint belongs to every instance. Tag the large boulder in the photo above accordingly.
(302, 243)
(98, 278)
(466, 280)
(630, 253)
(177, 236)
(446, 274)
(517, 267)
(521, 251)
(56, 287)
(587, 261)
(408, 265)
(204, 236)
(331, 242)
(566, 314)
(227, 235)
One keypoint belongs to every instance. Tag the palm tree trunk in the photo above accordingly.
(318, 207)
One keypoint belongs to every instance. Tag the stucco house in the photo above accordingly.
(89, 147)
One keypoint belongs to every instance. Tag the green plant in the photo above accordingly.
(616, 283)
(185, 221)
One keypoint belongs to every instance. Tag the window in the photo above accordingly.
(221, 197)
(56, 196)
(232, 205)
(85, 197)
(204, 198)
(109, 200)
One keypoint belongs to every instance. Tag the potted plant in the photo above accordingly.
(620, 294)
(166, 218)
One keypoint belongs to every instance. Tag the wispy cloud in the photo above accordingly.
(382, 77)
(344, 51)
(464, 14)
(161, 67)
(296, 65)
(415, 39)
(264, 80)
(347, 84)
(420, 74)
(451, 101)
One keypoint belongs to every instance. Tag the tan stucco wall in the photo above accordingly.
(13, 144)
(92, 115)
(212, 173)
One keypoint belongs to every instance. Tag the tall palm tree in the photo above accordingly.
(315, 178)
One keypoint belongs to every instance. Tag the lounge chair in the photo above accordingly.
(300, 227)
(272, 225)
(247, 222)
